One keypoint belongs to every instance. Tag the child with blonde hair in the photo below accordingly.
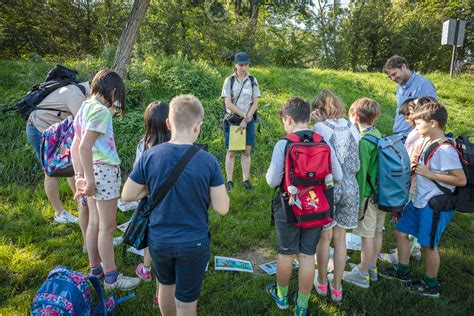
(328, 111)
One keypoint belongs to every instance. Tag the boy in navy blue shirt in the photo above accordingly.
(178, 233)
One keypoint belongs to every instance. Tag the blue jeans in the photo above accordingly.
(34, 137)
(183, 264)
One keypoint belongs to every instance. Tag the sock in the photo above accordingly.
(403, 268)
(282, 291)
(146, 269)
(302, 300)
(111, 276)
(430, 282)
(96, 269)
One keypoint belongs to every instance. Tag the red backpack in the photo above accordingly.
(307, 182)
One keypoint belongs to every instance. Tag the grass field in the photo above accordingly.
(31, 245)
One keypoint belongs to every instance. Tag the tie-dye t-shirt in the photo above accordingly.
(93, 116)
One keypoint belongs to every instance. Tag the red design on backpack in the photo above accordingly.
(307, 163)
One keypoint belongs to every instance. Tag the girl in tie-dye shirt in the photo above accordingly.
(97, 168)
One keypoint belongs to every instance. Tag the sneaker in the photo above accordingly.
(282, 303)
(419, 287)
(123, 283)
(355, 277)
(299, 311)
(321, 289)
(248, 186)
(156, 303)
(117, 240)
(142, 274)
(65, 217)
(389, 257)
(373, 274)
(392, 273)
(336, 295)
(229, 185)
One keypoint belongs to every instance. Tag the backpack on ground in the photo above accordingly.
(56, 78)
(307, 193)
(393, 173)
(55, 149)
(462, 199)
(68, 292)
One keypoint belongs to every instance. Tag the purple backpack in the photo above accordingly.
(55, 149)
(67, 292)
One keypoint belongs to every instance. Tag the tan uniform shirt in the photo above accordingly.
(67, 99)
(248, 92)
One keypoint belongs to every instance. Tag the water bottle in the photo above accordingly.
(329, 181)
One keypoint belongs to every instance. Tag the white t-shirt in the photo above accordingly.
(444, 159)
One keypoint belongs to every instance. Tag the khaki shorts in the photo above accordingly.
(107, 182)
(372, 222)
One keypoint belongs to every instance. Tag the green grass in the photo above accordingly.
(30, 245)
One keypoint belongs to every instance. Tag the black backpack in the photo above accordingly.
(462, 199)
(56, 78)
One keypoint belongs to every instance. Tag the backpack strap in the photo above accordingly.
(371, 139)
(331, 126)
(100, 295)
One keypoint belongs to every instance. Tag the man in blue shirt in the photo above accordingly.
(410, 85)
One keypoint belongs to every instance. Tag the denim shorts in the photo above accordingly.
(249, 136)
(418, 221)
(34, 137)
(183, 264)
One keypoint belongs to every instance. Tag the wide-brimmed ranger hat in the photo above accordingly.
(242, 58)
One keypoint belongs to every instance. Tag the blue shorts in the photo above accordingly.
(418, 221)
(183, 264)
(250, 133)
(34, 137)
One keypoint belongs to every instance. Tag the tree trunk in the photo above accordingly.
(129, 34)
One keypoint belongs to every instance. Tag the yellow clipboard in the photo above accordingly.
(237, 139)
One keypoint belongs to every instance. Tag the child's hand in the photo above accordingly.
(89, 189)
(316, 116)
(423, 170)
(80, 185)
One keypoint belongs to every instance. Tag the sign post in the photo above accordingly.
(453, 34)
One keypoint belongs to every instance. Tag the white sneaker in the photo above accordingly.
(123, 283)
(65, 217)
(117, 240)
(355, 277)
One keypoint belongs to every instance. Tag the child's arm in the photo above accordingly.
(276, 170)
(454, 177)
(85, 154)
(133, 191)
(76, 163)
(219, 199)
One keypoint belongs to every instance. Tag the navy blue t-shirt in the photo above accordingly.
(182, 215)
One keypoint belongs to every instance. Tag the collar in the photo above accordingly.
(410, 81)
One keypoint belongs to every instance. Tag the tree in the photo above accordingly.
(127, 39)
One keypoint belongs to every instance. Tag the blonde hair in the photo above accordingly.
(329, 105)
(185, 111)
(366, 109)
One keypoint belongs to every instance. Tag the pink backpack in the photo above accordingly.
(55, 149)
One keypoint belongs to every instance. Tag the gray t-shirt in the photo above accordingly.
(277, 165)
(445, 158)
(248, 92)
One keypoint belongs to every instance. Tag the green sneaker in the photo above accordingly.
(299, 311)
(282, 303)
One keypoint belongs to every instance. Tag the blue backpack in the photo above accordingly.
(393, 173)
(67, 292)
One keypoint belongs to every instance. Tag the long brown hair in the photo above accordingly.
(104, 83)
(156, 131)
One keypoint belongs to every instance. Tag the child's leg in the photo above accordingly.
(322, 251)
(147, 258)
(186, 309)
(432, 262)
(166, 299)
(245, 161)
(305, 273)
(83, 210)
(229, 164)
(367, 253)
(51, 188)
(284, 269)
(378, 240)
(92, 233)
(340, 255)
(107, 225)
(403, 248)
